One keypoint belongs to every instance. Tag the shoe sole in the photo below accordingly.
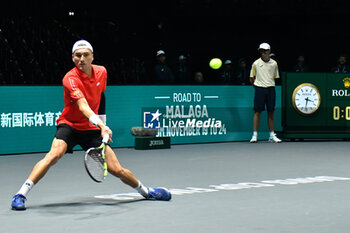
(274, 141)
(19, 209)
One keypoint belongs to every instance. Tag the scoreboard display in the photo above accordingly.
(315, 105)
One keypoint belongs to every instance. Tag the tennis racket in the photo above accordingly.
(95, 163)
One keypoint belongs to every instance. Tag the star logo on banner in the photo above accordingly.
(156, 115)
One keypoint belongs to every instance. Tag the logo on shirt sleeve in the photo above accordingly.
(77, 94)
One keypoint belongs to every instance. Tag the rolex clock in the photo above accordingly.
(315, 105)
(306, 99)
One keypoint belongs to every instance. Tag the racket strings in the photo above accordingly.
(94, 163)
(97, 156)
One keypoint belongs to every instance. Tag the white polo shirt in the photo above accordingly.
(265, 73)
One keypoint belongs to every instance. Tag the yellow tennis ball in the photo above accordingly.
(215, 63)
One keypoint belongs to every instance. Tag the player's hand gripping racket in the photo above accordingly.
(95, 162)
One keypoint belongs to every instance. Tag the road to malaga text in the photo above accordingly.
(191, 120)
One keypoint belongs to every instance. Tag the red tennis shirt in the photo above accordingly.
(78, 85)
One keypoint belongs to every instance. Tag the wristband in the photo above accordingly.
(95, 120)
(103, 118)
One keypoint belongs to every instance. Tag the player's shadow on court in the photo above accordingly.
(89, 207)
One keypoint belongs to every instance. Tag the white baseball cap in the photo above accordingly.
(160, 52)
(82, 44)
(264, 46)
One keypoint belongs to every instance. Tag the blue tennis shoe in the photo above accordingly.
(161, 194)
(18, 202)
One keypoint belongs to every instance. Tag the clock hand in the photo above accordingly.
(307, 100)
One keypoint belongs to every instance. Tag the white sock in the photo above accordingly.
(272, 133)
(255, 133)
(142, 189)
(26, 187)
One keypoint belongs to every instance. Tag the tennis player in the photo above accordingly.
(80, 124)
(262, 75)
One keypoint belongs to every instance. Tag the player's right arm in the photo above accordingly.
(85, 109)
(253, 74)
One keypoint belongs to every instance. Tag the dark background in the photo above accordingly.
(200, 29)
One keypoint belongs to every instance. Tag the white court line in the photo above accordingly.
(230, 187)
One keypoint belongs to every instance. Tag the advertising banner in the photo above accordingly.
(187, 114)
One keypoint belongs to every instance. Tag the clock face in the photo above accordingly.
(306, 98)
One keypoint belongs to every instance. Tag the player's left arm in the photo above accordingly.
(102, 108)
(277, 74)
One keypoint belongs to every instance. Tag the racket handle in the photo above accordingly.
(105, 138)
